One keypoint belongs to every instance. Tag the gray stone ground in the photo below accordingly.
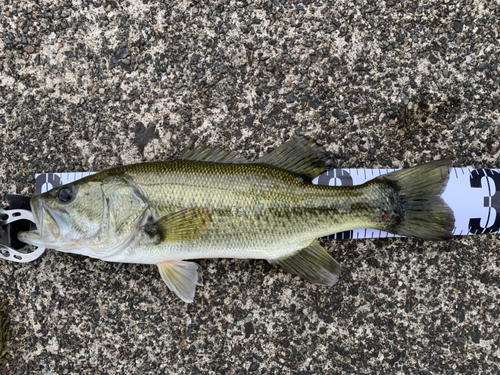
(86, 85)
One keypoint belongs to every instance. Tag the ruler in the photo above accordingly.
(472, 194)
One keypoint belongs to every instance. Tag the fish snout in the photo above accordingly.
(48, 222)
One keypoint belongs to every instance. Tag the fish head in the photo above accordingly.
(98, 216)
(67, 217)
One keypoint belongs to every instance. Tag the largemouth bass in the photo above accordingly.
(214, 204)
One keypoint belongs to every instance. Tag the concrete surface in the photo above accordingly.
(86, 85)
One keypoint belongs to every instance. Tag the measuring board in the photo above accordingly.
(472, 194)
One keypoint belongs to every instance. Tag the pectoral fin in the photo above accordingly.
(184, 225)
(181, 277)
(313, 263)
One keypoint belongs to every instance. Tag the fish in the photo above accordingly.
(213, 203)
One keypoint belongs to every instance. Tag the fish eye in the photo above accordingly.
(66, 194)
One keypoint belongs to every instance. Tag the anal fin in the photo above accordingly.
(312, 263)
(181, 277)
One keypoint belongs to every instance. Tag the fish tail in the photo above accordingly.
(419, 209)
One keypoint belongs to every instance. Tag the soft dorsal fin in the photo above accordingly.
(213, 154)
(301, 156)
(313, 263)
(181, 277)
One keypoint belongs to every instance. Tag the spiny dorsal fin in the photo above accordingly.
(185, 225)
(313, 263)
(213, 154)
(181, 277)
(301, 156)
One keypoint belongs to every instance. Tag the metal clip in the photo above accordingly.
(8, 253)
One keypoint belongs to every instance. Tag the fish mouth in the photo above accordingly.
(47, 227)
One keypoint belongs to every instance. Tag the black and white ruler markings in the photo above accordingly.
(472, 194)
(46, 181)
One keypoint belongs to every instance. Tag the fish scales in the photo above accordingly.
(257, 210)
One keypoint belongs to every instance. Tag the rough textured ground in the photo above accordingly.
(86, 85)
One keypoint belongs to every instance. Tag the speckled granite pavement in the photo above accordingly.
(86, 85)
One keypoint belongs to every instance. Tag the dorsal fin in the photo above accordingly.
(213, 154)
(302, 156)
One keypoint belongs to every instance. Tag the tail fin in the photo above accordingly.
(425, 214)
